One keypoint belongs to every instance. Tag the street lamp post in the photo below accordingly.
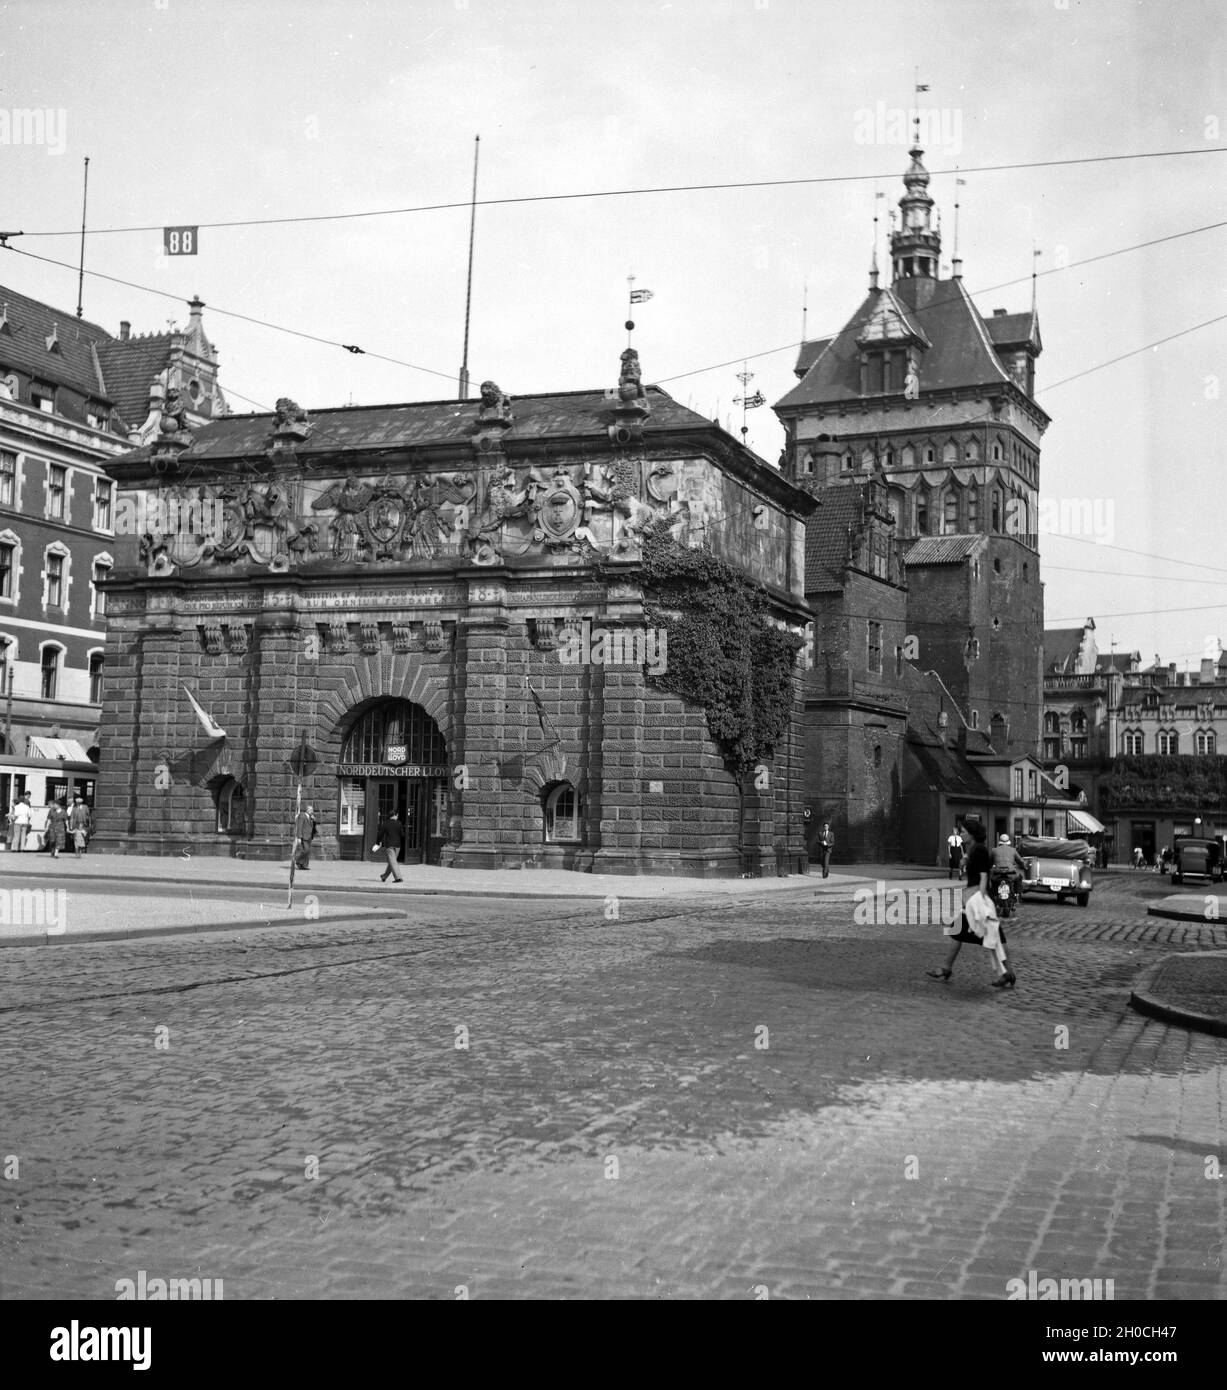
(1043, 800)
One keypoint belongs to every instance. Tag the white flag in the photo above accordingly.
(211, 727)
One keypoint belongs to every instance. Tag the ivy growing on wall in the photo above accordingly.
(723, 653)
(1163, 781)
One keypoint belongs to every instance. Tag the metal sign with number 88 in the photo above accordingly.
(180, 241)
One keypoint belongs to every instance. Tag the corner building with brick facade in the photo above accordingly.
(437, 608)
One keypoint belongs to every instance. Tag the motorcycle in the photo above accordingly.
(1004, 892)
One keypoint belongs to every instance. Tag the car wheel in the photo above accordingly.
(1083, 899)
(1177, 878)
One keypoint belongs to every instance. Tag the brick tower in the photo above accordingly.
(936, 401)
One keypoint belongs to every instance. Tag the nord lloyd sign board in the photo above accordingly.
(392, 769)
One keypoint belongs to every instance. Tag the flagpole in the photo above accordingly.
(302, 763)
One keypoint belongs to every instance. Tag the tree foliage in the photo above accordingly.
(1163, 781)
(723, 652)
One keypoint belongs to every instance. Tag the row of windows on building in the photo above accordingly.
(56, 500)
(1167, 741)
(562, 808)
(41, 395)
(1056, 745)
(927, 456)
(56, 574)
(50, 667)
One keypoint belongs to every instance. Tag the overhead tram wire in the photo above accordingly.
(1052, 386)
(233, 314)
(987, 289)
(664, 188)
(699, 371)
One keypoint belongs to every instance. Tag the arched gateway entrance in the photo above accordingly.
(394, 759)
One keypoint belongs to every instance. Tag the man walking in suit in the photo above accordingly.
(391, 838)
(826, 843)
(304, 833)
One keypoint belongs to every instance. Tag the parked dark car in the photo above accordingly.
(1061, 868)
(1197, 858)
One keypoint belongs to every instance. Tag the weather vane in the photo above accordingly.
(747, 400)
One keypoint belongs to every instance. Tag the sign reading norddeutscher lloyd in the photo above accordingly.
(392, 770)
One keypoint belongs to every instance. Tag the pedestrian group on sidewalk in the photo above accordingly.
(63, 824)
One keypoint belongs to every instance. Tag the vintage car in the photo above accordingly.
(1059, 868)
(1197, 858)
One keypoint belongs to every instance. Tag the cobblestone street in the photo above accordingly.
(697, 1099)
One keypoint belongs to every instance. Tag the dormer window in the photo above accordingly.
(42, 397)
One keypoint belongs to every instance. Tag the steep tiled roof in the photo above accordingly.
(947, 768)
(943, 550)
(128, 368)
(419, 423)
(826, 537)
(809, 354)
(1061, 647)
(23, 343)
(1118, 661)
(961, 354)
(1012, 330)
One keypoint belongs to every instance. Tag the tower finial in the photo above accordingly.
(1035, 255)
(873, 264)
(916, 246)
(956, 264)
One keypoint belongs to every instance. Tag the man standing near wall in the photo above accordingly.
(826, 843)
(21, 824)
(304, 833)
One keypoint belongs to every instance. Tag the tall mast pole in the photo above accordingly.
(468, 293)
(81, 271)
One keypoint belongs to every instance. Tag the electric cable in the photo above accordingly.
(644, 190)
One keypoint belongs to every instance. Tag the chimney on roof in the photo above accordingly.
(1207, 670)
(125, 330)
(196, 305)
(1171, 672)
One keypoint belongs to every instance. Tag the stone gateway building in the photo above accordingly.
(438, 609)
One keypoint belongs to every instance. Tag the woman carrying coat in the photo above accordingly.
(979, 866)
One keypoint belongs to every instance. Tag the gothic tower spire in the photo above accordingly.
(916, 244)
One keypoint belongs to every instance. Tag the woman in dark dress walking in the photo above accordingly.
(979, 866)
(57, 827)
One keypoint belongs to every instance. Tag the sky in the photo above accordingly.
(194, 112)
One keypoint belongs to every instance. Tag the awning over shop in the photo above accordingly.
(67, 748)
(1085, 822)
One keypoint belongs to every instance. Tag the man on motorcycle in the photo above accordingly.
(1008, 863)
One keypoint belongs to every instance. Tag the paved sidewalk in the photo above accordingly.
(1208, 905)
(74, 913)
(1188, 990)
(354, 877)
